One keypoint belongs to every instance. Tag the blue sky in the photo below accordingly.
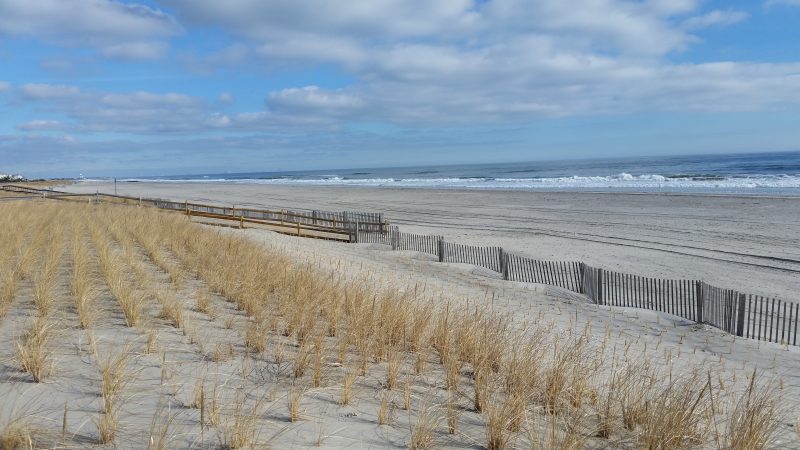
(105, 88)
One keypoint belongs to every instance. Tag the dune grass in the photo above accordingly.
(549, 388)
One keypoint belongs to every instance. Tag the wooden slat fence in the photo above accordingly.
(562, 274)
(487, 257)
(751, 316)
(676, 297)
(417, 242)
(376, 237)
(745, 315)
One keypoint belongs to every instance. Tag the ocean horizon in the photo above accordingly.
(774, 173)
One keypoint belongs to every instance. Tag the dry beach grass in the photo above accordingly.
(131, 327)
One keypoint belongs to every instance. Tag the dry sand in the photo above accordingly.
(723, 240)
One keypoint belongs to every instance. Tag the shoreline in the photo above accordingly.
(443, 188)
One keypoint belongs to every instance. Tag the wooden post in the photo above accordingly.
(740, 316)
(314, 217)
(186, 205)
(699, 294)
(241, 222)
(233, 211)
(355, 233)
(282, 217)
(334, 221)
(298, 228)
(599, 286)
(503, 262)
(441, 250)
(393, 238)
(140, 200)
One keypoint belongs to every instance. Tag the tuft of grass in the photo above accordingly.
(407, 394)
(43, 293)
(202, 303)
(423, 433)
(222, 352)
(32, 353)
(107, 427)
(151, 344)
(301, 360)
(114, 379)
(384, 408)
(8, 289)
(452, 414)
(347, 386)
(241, 430)
(316, 365)
(159, 436)
(255, 337)
(674, 415)
(499, 415)
(392, 368)
(754, 420)
(295, 396)
(17, 435)
(171, 310)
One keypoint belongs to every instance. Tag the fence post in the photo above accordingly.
(355, 234)
(314, 217)
(393, 238)
(298, 228)
(186, 206)
(582, 277)
(441, 250)
(740, 316)
(503, 262)
(599, 286)
(700, 300)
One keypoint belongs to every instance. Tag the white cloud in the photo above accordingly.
(150, 113)
(40, 125)
(313, 97)
(34, 91)
(446, 62)
(135, 50)
(4, 86)
(715, 17)
(115, 29)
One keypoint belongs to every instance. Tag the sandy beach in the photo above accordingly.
(723, 240)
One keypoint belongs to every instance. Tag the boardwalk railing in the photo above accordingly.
(744, 315)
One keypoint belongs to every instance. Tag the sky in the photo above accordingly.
(156, 87)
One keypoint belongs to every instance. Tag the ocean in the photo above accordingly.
(752, 173)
